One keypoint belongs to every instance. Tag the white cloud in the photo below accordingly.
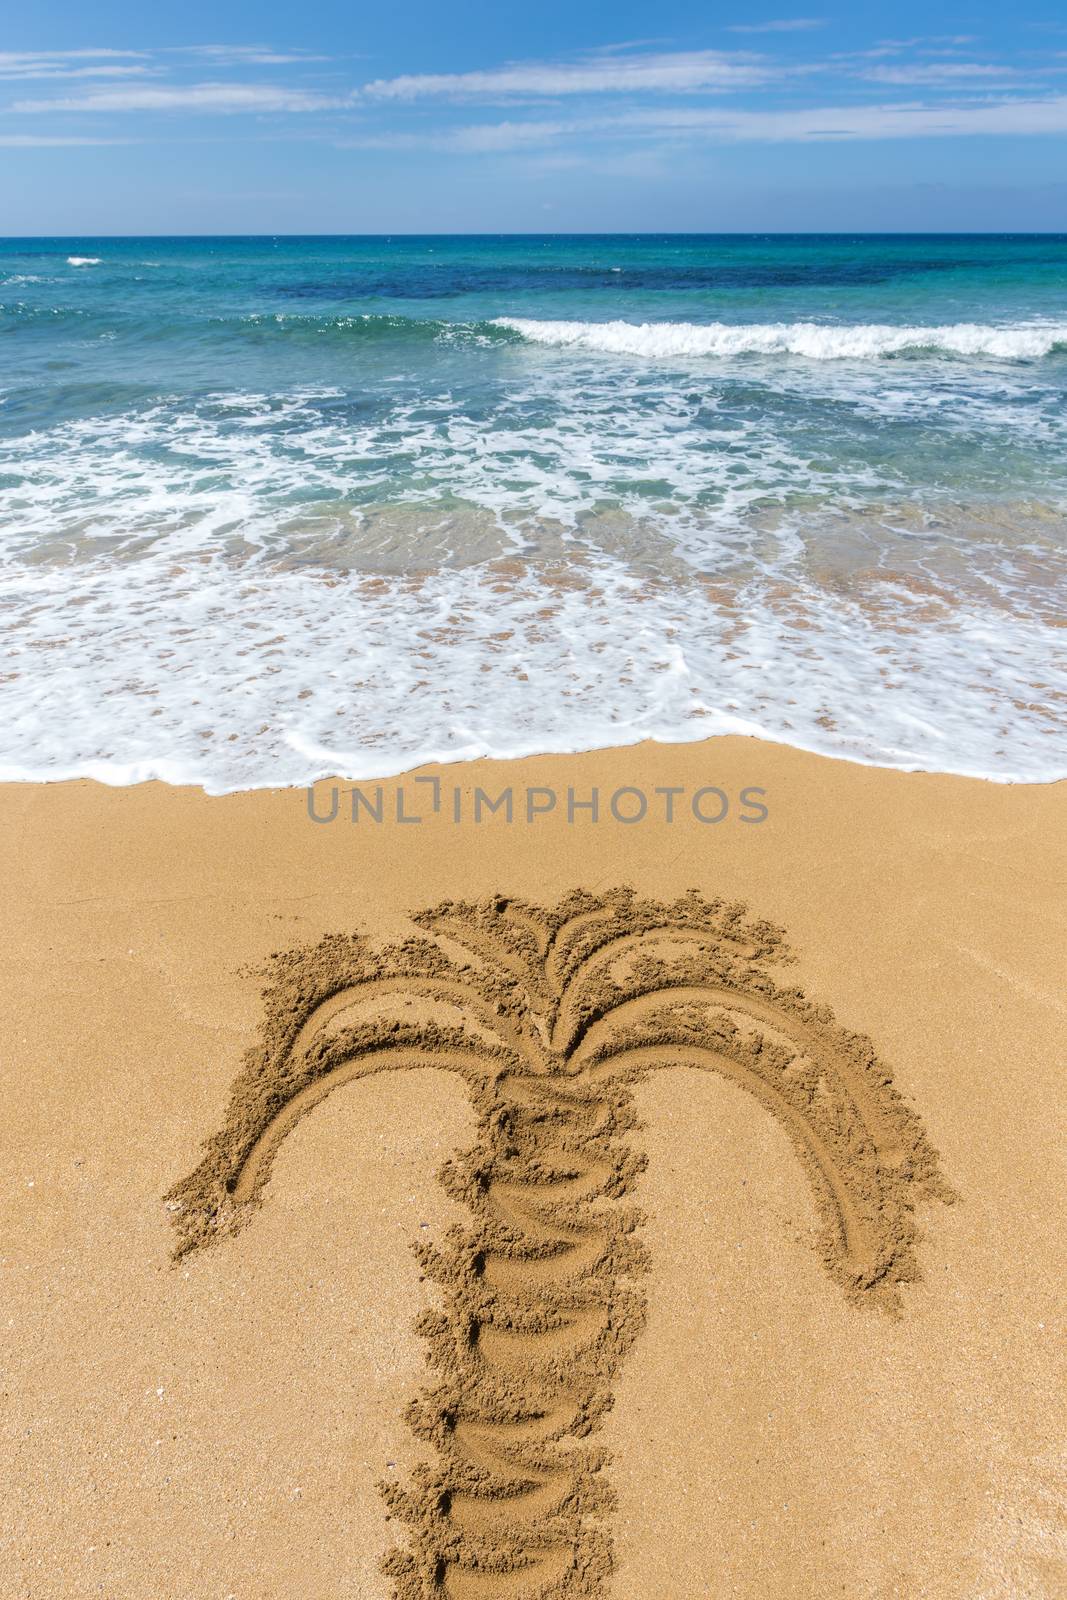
(949, 98)
(953, 73)
(13, 57)
(260, 55)
(489, 137)
(24, 74)
(36, 141)
(219, 98)
(815, 125)
(681, 72)
(783, 25)
(910, 120)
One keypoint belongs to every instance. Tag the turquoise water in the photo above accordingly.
(529, 493)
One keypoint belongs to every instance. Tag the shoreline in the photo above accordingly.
(12, 777)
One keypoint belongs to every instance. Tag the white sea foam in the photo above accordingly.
(185, 593)
(223, 675)
(238, 464)
(688, 464)
(813, 340)
(83, 261)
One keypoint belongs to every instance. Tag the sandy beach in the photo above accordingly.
(216, 1427)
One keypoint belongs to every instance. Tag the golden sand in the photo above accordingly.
(615, 1365)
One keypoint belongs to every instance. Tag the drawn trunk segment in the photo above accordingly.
(552, 1016)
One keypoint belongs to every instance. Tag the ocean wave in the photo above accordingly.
(141, 321)
(366, 326)
(813, 340)
(817, 342)
(21, 313)
(83, 261)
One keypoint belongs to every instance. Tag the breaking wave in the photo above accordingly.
(816, 341)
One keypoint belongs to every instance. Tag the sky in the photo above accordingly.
(557, 116)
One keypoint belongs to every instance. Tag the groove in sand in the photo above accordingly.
(552, 1016)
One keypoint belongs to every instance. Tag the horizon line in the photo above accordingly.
(568, 233)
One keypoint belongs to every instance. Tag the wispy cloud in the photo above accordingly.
(30, 74)
(814, 125)
(780, 25)
(258, 55)
(40, 64)
(922, 46)
(678, 72)
(218, 98)
(910, 120)
(12, 57)
(620, 97)
(46, 141)
(954, 73)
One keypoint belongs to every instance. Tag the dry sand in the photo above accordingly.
(639, 1256)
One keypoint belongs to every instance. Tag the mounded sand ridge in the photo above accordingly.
(551, 1016)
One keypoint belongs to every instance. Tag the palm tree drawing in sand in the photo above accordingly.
(552, 1016)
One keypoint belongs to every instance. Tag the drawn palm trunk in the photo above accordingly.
(552, 1016)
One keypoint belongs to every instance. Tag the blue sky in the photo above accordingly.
(417, 116)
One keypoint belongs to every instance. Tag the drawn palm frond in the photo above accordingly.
(552, 1016)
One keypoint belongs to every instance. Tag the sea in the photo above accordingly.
(280, 508)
